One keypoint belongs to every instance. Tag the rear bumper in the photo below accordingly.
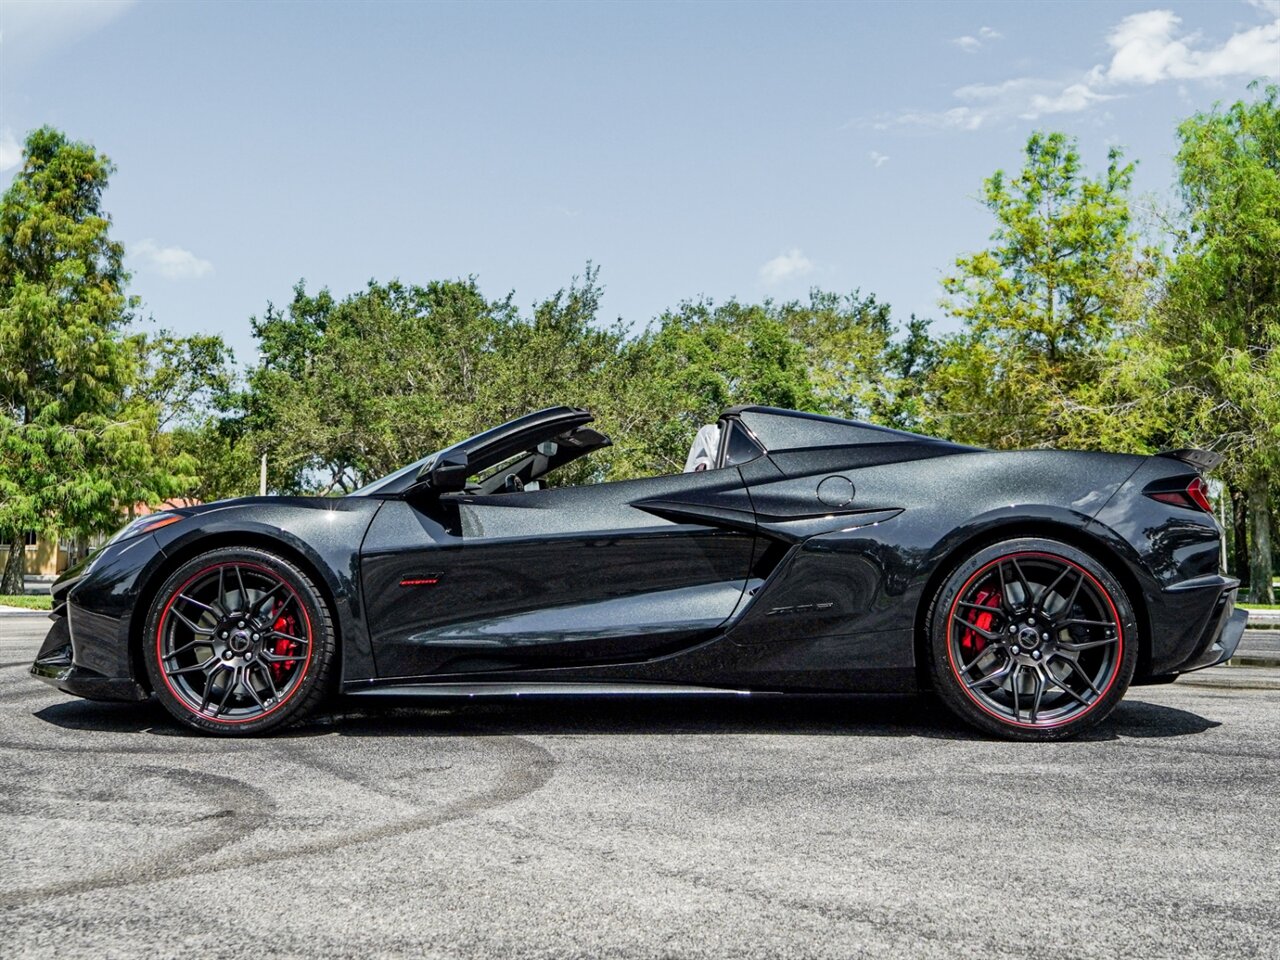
(1188, 622)
(1222, 642)
(1216, 634)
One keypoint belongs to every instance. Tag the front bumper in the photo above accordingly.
(87, 651)
(79, 682)
(55, 665)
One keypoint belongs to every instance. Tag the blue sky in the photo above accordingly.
(746, 150)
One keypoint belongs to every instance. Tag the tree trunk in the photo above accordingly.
(15, 566)
(1260, 542)
(1240, 538)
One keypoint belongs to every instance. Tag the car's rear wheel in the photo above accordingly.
(1032, 639)
(239, 641)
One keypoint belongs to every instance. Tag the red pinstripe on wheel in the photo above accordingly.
(952, 625)
(164, 621)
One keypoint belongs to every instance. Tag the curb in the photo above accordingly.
(1248, 661)
(1240, 673)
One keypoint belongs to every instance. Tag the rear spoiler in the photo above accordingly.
(1202, 460)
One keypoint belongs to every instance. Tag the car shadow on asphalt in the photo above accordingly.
(634, 716)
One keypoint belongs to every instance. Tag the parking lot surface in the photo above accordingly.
(689, 828)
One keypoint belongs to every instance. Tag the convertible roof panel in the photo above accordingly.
(781, 429)
(512, 434)
(489, 448)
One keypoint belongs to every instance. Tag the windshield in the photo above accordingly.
(488, 448)
(383, 482)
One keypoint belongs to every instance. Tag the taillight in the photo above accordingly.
(1198, 491)
(1194, 496)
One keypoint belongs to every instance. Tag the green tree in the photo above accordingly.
(184, 378)
(73, 446)
(909, 362)
(1216, 334)
(191, 385)
(860, 364)
(347, 391)
(693, 363)
(844, 339)
(559, 354)
(1040, 307)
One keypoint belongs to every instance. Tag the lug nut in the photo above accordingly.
(1030, 621)
(248, 655)
(224, 634)
(257, 637)
(1012, 629)
(1043, 636)
(1016, 650)
(227, 655)
(1036, 654)
(240, 625)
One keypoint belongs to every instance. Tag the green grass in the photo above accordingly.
(37, 602)
(1259, 606)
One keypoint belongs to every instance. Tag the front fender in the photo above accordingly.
(323, 534)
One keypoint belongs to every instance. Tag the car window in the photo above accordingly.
(504, 467)
(739, 446)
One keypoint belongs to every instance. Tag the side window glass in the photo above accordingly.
(739, 447)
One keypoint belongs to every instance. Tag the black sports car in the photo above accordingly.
(798, 554)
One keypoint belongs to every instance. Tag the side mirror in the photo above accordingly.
(447, 473)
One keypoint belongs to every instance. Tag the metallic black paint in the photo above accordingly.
(739, 578)
(550, 578)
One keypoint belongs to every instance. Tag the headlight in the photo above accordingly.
(152, 521)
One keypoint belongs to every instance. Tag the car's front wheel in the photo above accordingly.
(1032, 639)
(239, 641)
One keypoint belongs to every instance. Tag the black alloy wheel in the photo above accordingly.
(239, 641)
(1032, 639)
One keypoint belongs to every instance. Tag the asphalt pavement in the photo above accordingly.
(685, 828)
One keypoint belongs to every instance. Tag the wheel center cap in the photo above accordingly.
(239, 641)
(1028, 638)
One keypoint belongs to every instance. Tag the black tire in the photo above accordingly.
(239, 641)
(1023, 620)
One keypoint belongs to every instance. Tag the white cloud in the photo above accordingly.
(1073, 99)
(10, 150)
(32, 30)
(1143, 47)
(957, 118)
(1022, 98)
(1017, 88)
(172, 263)
(878, 158)
(971, 44)
(786, 266)
(1148, 48)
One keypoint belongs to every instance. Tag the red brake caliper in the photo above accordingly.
(971, 639)
(283, 646)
